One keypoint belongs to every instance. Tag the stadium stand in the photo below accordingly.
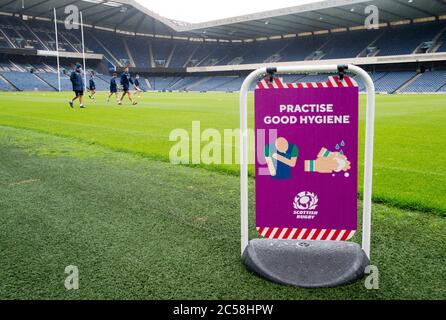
(405, 39)
(145, 49)
(430, 81)
(139, 51)
(183, 53)
(25, 81)
(51, 79)
(162, 51)
(442, 41)
(302, 47)
(163, 83)
(357, 40)
(5, 86)
(391, 81)
(442, 89)
(112, 44)
(396, 40)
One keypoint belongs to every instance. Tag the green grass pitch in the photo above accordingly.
(94, 188)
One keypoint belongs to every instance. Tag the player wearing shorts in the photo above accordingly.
(78, 86)
(113, 88)
(138, 89)
(126, 80)
(92, 87)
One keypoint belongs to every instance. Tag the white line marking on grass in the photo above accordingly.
(23, 182)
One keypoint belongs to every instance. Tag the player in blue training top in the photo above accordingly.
(92, 87)
(137, 85)
(78, 86)
(113, 88)
(126, 80)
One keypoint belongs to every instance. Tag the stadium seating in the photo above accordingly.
(375, 77)
(427, 82)
(148, 52)
(97, 48)
(161, 83)
(183, 83)
(259, 51)
(4, 86)
(395, 40)
(442, 89)
(26, 81)
(115, 45)
(213, 84)
(51, 79)
(349, 44)
(442, 40)
(405, 39)
(161, 50)
(302, 47)
(183, 52)
(140, 52)
(391, 81)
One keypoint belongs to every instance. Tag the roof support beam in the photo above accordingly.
(317, 21)
(140, 23)
(428, 13)
(298, 27)
(338, 25)
(57, 8)
(380, 10)
(217, 34)
(277, 28)
(114, 13)
(7, 4)
(33, 6)
(124, 18)
(253, 30)
(96, 13)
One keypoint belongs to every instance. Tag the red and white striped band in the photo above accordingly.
(333, 82)
(306, 234)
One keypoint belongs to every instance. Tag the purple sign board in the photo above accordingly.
(307, 162)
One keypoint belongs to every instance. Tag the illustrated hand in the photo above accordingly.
(289, 162)
(325, 165)
(328, 162)
(342, 162)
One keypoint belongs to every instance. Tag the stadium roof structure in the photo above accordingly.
(131, 17)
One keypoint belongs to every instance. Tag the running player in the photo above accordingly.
(126, 80)
(78, 86)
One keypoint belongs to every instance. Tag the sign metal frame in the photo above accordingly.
(369, 143)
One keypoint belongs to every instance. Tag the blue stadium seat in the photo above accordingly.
(391, 81)
(405, 39)
(26, 81)
(428, 82)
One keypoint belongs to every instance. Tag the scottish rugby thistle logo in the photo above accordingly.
(306, 201)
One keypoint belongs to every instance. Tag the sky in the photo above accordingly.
(206, 10)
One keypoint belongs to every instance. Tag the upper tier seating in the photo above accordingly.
(405, 39)
(175, 53)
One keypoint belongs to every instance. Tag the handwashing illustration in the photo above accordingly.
(329, 162)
